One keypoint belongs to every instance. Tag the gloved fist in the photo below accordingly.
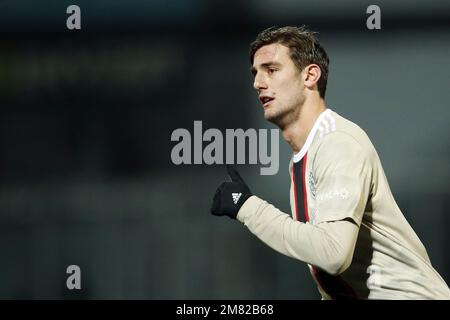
(230, 196)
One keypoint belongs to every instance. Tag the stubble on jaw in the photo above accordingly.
(288, 116)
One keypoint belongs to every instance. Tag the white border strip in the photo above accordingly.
(299, 156)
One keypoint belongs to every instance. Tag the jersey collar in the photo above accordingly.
(299, 156)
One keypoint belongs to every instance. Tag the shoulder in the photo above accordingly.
(334, 128)
(341, 139)
(336, 125)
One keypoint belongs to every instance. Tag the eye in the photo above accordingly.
(271, 70)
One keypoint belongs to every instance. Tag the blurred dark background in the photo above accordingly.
(86, 118)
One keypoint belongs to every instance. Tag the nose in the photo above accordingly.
(259, 83)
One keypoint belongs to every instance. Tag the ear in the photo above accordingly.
(312, 75)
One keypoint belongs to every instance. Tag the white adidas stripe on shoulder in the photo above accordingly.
(329, 124)
(324, 124)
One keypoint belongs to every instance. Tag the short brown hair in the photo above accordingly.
(304, 47)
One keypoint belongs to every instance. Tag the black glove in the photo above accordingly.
(230, 196)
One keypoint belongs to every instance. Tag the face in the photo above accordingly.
(278, 83)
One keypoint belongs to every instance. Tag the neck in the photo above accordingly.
(296, 132)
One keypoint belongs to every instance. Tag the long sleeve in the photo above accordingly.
(327, 245)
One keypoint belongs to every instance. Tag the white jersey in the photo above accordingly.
(339, 191)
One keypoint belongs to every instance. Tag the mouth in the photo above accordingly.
(266, 100)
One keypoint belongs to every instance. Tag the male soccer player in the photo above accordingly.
(345, 223)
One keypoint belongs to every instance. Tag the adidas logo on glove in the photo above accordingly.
(223, 204)
(236, 197)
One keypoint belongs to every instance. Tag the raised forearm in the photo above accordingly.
(328, 246)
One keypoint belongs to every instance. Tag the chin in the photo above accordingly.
(272, 117)
(268, 115)
(277, 118)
